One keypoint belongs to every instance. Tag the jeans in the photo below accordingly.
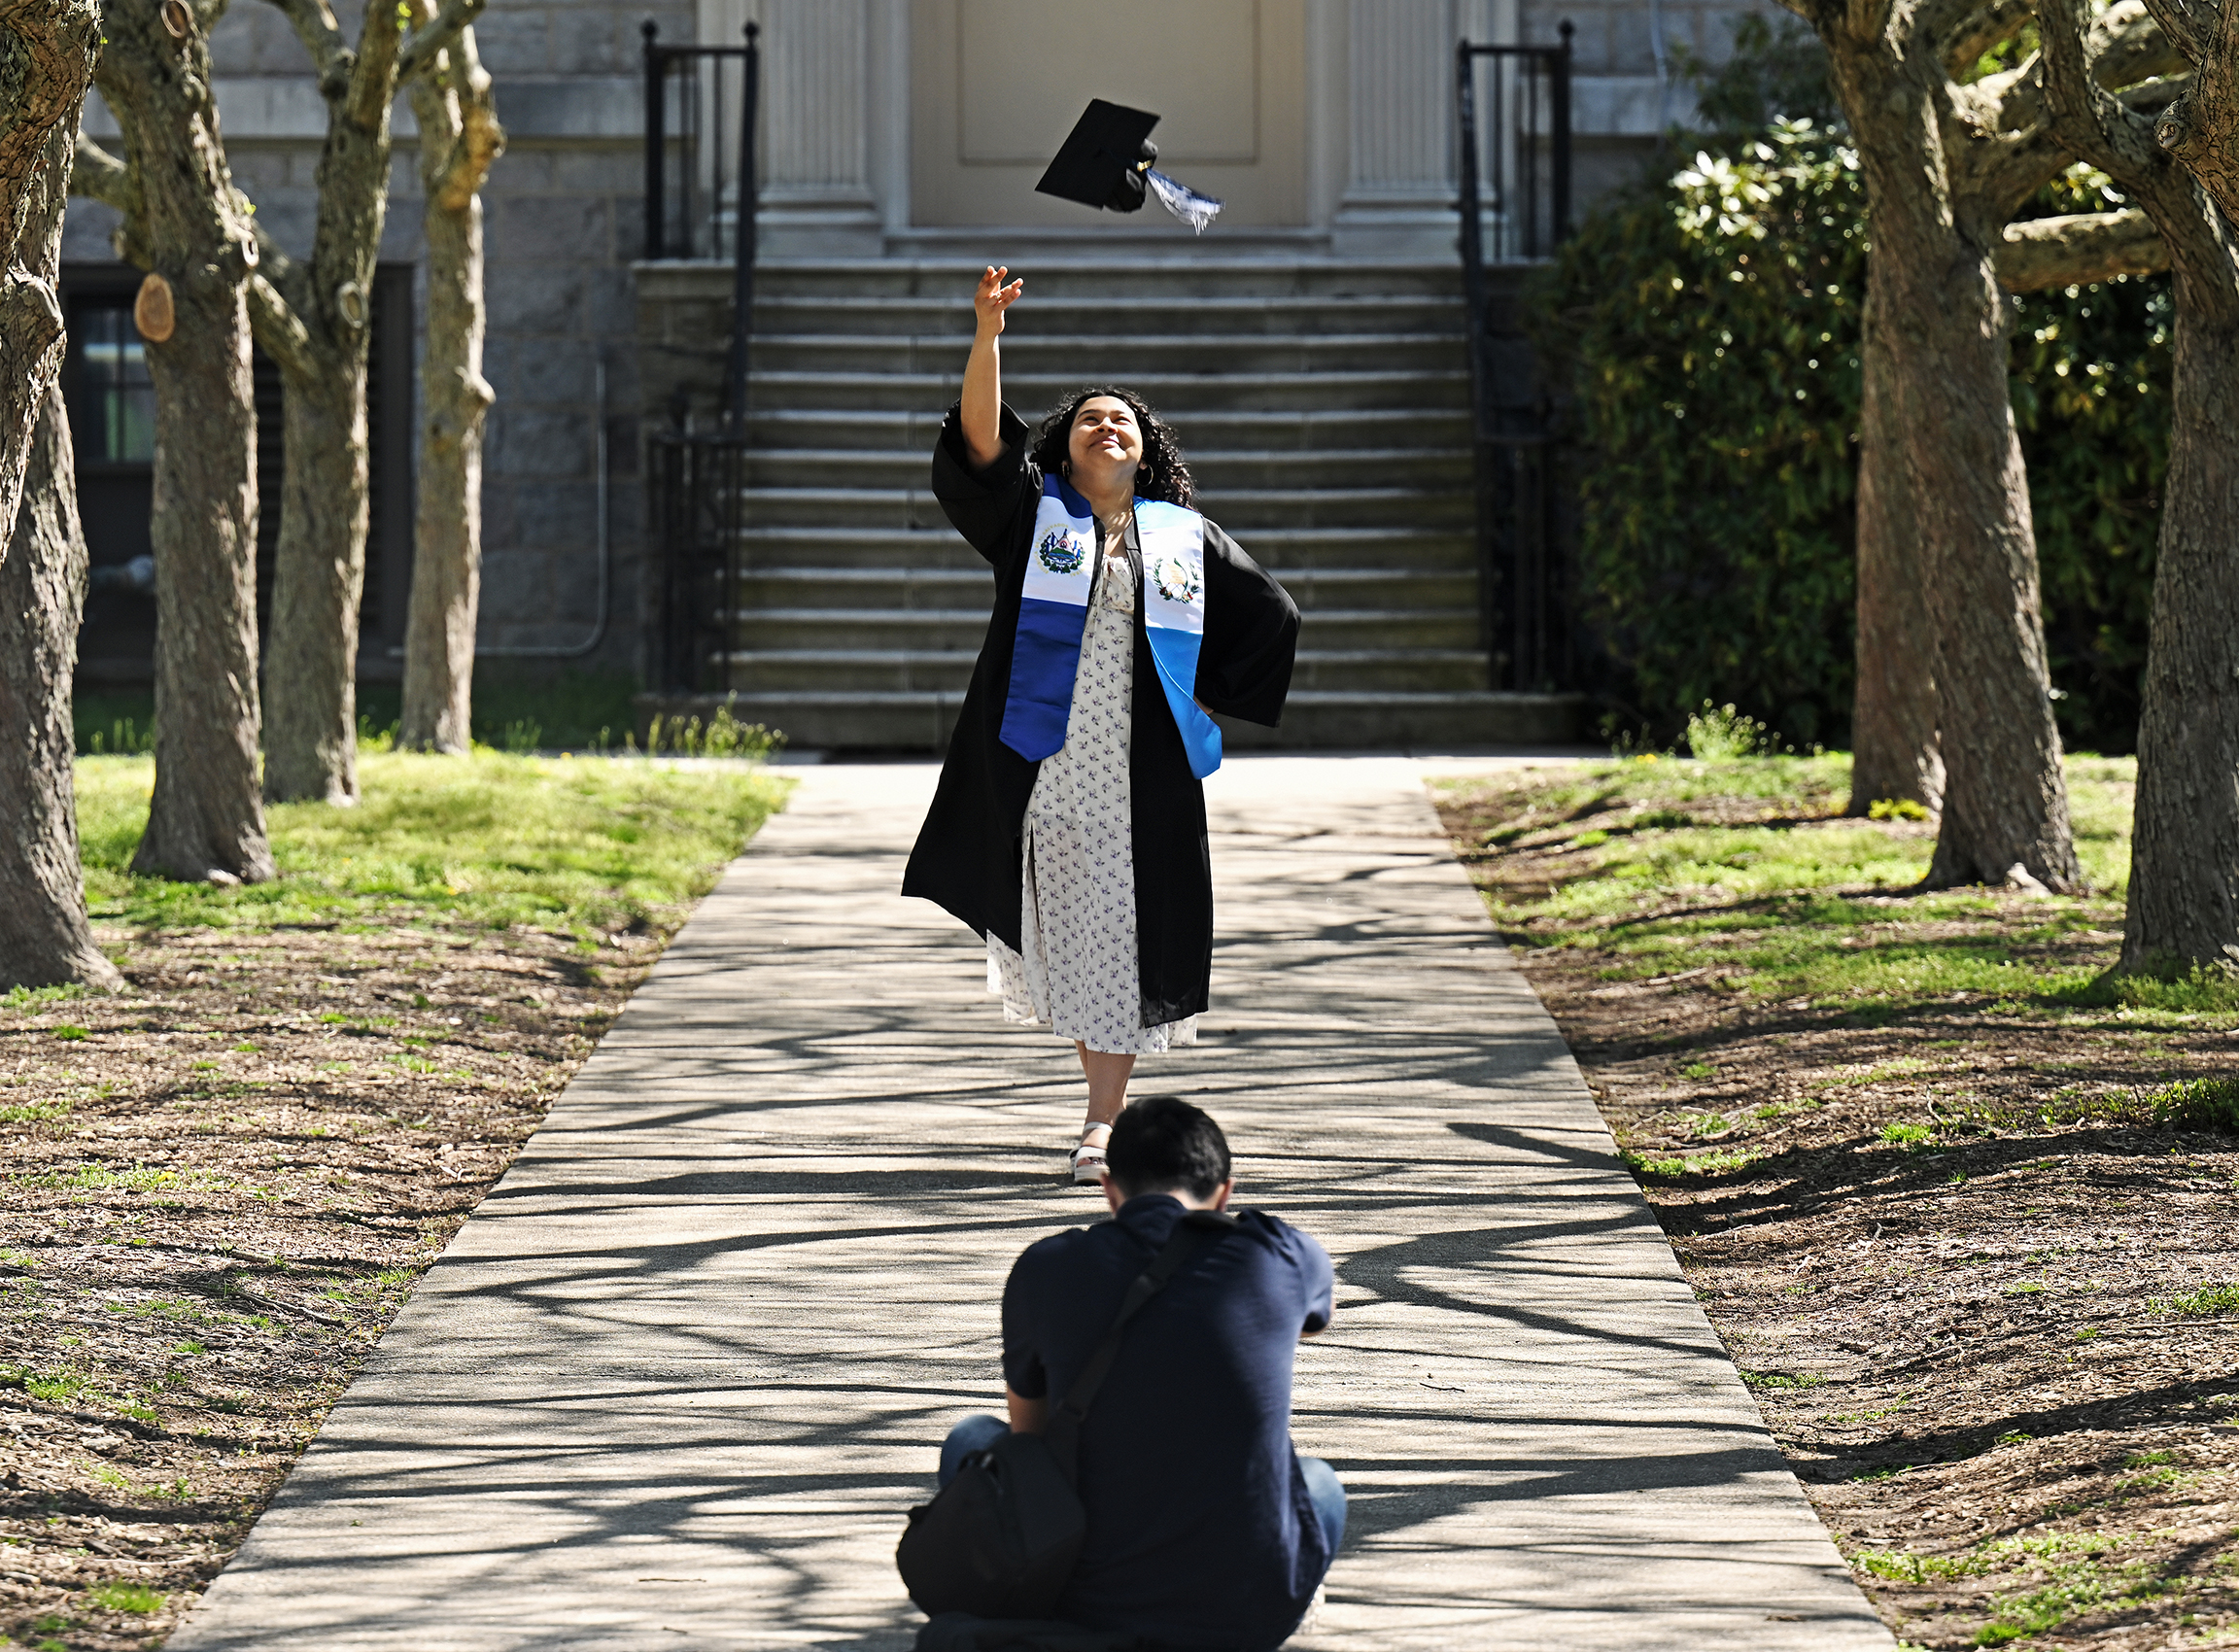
(1323, 1488)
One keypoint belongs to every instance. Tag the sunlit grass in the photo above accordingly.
(1801, 904)
(574, 847)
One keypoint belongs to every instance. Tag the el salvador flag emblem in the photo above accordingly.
(1053, 615)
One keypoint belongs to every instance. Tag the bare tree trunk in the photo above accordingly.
(1894, 752)
(184, 224)
(2183, 907)
(44, 938)
(47, 50)
(2184, 840)
(314, 318)
(2005, 800)
(318, 577)
(459, 139)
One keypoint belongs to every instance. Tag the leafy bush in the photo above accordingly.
(1718, 733)
(1705, 325)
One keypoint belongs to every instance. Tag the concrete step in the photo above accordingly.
(1090, 358)
(1281, 550)
(1171, 394)
(1318, 432)
(920, 719)
(1214, 470)
(970, 589)
(962, 630)
(1106, 271)
(1038, 314)
(1240, 510)
(871, 669)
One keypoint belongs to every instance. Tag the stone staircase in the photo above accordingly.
(1323, 408)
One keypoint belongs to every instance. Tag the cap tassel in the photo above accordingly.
(1184, 202)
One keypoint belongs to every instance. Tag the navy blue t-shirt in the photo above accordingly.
(1200, 1532)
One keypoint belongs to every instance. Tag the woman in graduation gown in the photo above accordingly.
(1069, 826)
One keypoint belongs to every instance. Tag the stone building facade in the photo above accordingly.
(891, 129)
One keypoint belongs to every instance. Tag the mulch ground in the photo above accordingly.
(1964, 1342)
(218, 1190)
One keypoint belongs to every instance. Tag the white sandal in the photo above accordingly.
(1086, 1162)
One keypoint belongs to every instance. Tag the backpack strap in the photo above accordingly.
(1197, 1230)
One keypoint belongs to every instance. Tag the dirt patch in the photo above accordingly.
(216, 1192)
(1981, 1287)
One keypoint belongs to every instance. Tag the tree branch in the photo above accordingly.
(281, 330)
(100, 176)
(2191, 24)
(373, 79)
(2078, 250)
(2093, 124)
(1990, 28)
(332, 58)
(478, 140)
(2127, 45)
(422, 45)
(2087, 119)
(2198, 127)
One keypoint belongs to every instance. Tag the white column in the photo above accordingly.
(817, 66)
(1397, 193)
(822, 62)
(1398, 190)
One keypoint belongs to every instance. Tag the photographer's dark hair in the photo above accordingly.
(1164, 473)
(1164, 1144)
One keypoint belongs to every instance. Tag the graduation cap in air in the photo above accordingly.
(1106, 163)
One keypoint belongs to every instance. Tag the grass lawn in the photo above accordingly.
(1963, 1206)
(219, 1187)
(565, 845)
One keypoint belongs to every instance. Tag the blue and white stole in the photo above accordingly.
(1053, 615)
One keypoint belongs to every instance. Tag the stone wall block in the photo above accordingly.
(613, 301)
(563, 515)
(515, 40)
(541, 229)
(561, 374)
(592, 39)
(524, 169)
(601, 169)
(528, 299)
(540, 442)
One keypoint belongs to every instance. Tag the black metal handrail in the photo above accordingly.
(693, 224)
(1519, 624)
(697, 492)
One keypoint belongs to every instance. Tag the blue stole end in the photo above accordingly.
(1053, 615)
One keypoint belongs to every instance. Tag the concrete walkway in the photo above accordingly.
(675, 1382)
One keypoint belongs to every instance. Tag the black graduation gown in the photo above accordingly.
(968, 853)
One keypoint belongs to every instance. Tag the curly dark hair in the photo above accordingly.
(1164, 473)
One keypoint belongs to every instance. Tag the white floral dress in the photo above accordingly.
(1077, 972)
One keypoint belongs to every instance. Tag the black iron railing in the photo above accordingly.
(694, 208)
(1515, 170)
(697, 489)
(702, 105)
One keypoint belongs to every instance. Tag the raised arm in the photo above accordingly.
(982, 401)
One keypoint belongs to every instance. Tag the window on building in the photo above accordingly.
(116, 412)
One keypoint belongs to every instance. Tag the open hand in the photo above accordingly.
(993, 298)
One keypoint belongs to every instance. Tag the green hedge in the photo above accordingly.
(1706, 325)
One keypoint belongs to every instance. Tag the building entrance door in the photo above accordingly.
(997, 83)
